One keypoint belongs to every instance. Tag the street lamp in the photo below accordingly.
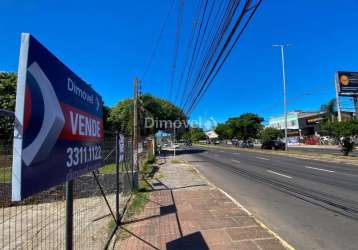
(283, 46)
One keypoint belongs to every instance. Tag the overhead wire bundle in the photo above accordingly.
(218, 27)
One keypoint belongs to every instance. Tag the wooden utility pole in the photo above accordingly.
(135, 127)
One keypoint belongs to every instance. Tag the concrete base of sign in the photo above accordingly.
(128, 181)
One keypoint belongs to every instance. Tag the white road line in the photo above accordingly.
(273, 172)
(262, 158)
(235, 160)
(320, 169)
(222, 151)
(216, 155)
(236, 153)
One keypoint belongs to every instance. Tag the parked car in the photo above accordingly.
(246, 144)
(273, 144)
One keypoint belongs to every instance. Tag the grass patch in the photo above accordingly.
(160, 176)
(176, 161)
(5, 175)
(137, 205)
(108, 169)
(111, 169)
(112, 224)
(147, 167)
(140, 196)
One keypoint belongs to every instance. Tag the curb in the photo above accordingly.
(309, 156)
(282, 241)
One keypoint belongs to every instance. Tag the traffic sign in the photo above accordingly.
(59, 127)
(121, 148)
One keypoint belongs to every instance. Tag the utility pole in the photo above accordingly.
(135, 131)
(283, 46)
(336, 82)
(174, 143)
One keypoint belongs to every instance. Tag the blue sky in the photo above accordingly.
(108, 43)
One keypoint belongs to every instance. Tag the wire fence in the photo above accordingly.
(38, 222)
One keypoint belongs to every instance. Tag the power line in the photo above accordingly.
(155, 48)
(209, 80)
(196, 43)
(212, 48)
(177, 44)
(190, 46)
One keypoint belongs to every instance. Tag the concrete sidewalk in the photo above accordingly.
(185, 211)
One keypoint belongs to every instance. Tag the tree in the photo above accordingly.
(245, 126)
(269, 133)
(7, 102)
(121, 117)
(154, 112)
(224, 131)
(343, 132)
(330, 109)
(194, 134)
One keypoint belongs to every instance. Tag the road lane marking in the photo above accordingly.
(283, 175)
(216, 155)
(320, 169)
(235, 160)
(236, 153)
(262, 158)
(222, 151)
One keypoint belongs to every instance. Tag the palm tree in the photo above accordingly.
(330, 109)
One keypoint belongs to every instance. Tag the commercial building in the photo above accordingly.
(302, 125)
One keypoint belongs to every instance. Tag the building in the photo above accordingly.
(212, 135)
(302, 125)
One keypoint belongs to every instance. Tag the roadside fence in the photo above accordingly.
(99, 201)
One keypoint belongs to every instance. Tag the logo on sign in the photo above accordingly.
(344, 80)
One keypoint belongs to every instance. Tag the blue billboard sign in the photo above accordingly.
(59, 126)
(347, 83)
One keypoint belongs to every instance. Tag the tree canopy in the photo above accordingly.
(330, 109)
(194, 134)
(153, 110)
(224, 131)
(268, 134)
(343, 132)
(7, 102)
(244, 127)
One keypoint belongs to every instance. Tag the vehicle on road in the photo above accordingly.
(273, 144)
(246, 144)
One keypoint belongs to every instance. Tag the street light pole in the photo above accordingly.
(283, 46)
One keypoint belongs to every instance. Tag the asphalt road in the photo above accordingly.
(333, 151)
(311, 204)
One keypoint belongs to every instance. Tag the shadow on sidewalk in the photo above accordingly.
(190, 241)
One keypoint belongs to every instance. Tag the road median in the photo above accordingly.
(352, 160)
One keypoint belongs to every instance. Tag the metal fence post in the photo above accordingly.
(117, 178)
(69, 215)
